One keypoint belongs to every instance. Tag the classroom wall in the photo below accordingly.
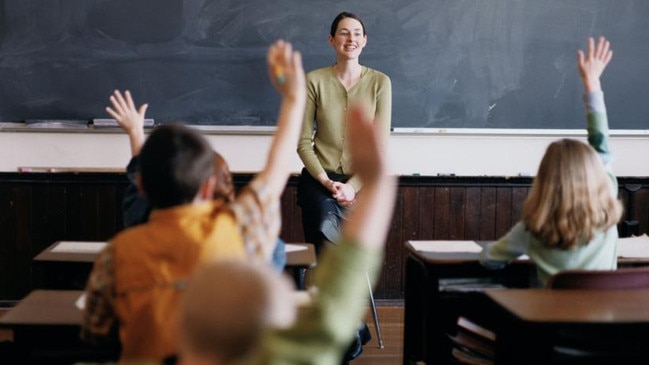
(39, 209)
(459, 152)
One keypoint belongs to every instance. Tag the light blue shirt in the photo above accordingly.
(598, 254)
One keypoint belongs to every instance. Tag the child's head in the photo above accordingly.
(174, 163)
(228, 305)
(571, 198)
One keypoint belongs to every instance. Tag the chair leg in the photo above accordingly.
(375, 313)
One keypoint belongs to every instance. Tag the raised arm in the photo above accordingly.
(130, 118)
(340, 278)
(135, 207)
(287, 75)
(369, 221)
(591, 66)
(382, 120)
(257, 207)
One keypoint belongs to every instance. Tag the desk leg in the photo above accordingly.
(415, 301)
(301, 278)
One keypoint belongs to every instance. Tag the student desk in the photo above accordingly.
(67, 264)
(431, 311)
(299, 258)
(529, 322)
(46, 325)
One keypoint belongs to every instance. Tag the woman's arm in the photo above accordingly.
(305, 143)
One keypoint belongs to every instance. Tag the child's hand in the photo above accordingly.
(592, 65)
(367, 158)
(124, 111)
(285, 69)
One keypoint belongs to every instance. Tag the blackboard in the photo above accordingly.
(453, 63)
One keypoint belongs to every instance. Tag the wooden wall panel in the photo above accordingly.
(404, 226)
(441, 213)
(503, 210)
(19, 276)
(38, 209)
(472, 213)
(487, 213)
(641, 211)
(12, 207)
(456, 213)
(519, 194)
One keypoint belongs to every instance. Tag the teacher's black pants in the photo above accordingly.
(321, 214)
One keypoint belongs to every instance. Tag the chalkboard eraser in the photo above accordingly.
(112, 123)
(57, 123)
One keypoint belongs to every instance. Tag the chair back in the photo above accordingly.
(625, 278)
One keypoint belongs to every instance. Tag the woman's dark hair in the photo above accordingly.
(341, 16)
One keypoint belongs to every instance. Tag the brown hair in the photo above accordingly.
(224, 188)
(341, 16)
(174, 163)
(571, 198)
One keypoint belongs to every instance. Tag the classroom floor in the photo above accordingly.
(391, 323)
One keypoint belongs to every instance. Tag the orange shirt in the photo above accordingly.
(137, 280)
(152, 262)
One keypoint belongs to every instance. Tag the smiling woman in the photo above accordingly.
(327, 184)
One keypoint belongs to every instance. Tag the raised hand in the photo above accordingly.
(285, 69)
(124, 111)
(367, 157)
(592, 64)
(369, 221)
(129, 118)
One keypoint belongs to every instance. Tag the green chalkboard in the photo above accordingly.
(453, 63)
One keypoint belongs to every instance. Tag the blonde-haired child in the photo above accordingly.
(569, 218)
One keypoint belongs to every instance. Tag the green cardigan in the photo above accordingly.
(328, 101)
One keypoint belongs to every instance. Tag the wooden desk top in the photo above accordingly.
(88, 256)
(446, 257)
(575, 306)
(628, 253)
(45, 307)
(303, 258)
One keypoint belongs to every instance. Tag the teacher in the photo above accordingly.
(327, 185)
